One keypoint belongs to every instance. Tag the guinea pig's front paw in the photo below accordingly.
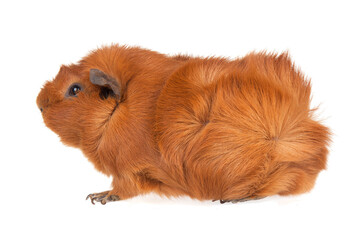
(103, 197)
(240, 200)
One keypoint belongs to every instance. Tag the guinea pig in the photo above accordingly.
(209, 128)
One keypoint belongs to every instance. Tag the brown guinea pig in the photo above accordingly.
(209, 128)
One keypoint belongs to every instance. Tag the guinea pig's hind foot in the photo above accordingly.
(240, 200)
(102, 197)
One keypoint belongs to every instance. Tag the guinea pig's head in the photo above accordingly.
(77, 100)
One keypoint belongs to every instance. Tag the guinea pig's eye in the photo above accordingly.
(73, 90)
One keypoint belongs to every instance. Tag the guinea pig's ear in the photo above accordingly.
(107, 83)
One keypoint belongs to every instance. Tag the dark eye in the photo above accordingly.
(73, 90)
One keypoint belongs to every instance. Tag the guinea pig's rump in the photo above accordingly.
(244, 131)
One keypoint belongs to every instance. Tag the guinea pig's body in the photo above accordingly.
(207, 128)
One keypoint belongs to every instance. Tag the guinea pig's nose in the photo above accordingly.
(42, 103)
(46, 97)
(41, 108)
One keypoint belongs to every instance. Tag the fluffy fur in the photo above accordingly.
(209, 128)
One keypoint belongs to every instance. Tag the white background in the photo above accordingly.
(44, 184)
